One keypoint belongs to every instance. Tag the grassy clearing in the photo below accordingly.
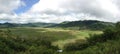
(58, 36)
(51, 34)
(78, 36)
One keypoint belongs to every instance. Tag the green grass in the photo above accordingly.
(78, 36)
(36, 33)
(58, 36)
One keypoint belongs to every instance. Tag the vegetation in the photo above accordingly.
(40, 24)
(29, 40)
(11, 44)
(34, 40)
(75, 25)
(106, 43)
(86, 24)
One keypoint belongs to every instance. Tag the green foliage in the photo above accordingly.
(78, 45)
(109, 47)
(106, 43)
(11, 44)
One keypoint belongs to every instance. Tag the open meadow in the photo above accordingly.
(58, 36)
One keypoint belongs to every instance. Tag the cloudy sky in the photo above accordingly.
(56, 11)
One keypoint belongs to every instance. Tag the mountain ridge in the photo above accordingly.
(82, 24)
(85, 24)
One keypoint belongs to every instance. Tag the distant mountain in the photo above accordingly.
(40, 24)
(2, 25)
(86, 24)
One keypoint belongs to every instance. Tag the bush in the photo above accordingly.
(111, 33)
(12, 44)
(78, 45)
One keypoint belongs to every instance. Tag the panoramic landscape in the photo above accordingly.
(59, 27)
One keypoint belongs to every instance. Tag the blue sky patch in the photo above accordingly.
(28, 3)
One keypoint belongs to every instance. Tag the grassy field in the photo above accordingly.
(58, 36)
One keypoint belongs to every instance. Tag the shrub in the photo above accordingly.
(111, 33)
(78, 45)
(15, 45)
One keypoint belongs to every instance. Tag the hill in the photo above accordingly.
(78, 25)
(86, 24)
(39, 24)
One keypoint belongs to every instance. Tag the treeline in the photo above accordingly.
(77, 25)
(39, 24)
(85, 24)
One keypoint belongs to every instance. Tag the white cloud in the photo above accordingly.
(106, 10)
(65, 10)
(7, 6)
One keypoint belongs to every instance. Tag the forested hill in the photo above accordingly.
(86, 24)
(26, 24)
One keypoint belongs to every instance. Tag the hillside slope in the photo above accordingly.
(39, 24)
(86, 24)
